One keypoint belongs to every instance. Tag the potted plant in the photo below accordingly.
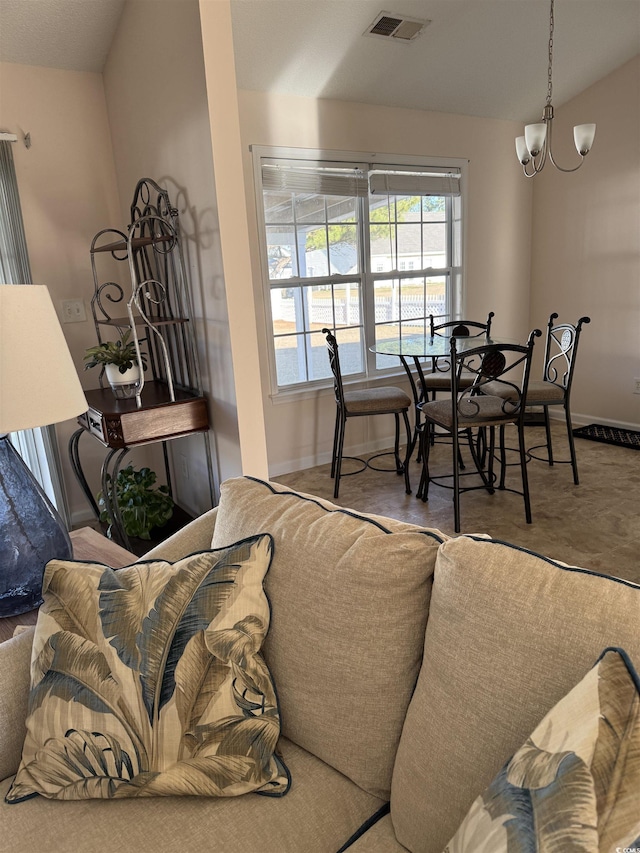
(142, 507)
(120, 361)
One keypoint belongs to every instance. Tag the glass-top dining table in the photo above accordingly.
(431, 346)
(423, 350)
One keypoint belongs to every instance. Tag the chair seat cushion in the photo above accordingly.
(538, 391)
(440, 380)
(376, 400)
(490, 411)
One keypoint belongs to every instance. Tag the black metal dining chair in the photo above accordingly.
(440, 377)
(363, 403)
(470, 408)
(554, 389)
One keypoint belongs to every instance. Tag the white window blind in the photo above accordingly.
(411, 183)
(278, 177)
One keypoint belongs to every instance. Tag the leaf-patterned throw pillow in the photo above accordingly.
(575, 784)
(148, 681)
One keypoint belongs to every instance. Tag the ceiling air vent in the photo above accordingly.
(401, 28)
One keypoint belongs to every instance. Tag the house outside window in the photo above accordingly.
(366, 249)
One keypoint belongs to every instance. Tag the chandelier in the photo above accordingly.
(535, 146)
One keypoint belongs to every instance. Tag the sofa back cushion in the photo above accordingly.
(349, 596)
(15, 660)
(509, 634)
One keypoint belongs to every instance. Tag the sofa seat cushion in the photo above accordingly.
(148, 681)
(349, 596)
(575, 782)
(509, 634)
(379, 838)
(322, 809)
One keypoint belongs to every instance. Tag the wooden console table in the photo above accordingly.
(122, 424)
(88, 545)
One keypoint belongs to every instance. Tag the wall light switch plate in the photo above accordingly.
(73, 311)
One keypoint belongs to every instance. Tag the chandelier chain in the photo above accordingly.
(550, 69)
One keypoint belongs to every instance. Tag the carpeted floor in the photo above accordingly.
(609, 435)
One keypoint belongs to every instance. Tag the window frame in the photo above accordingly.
(367, 275)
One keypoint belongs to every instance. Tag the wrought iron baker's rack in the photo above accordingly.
(156, 307)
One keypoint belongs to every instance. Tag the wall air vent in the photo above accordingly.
(396, 27)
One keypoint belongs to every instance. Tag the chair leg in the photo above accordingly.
(343, 422)
(432, 437)
(492, 450)
(407, 426)
(456, 480)
(525, 477)
(547, 427)
(572, 447)
(425, 447)
(415, 441)
(503, 458)
(481, 445)
(336, 432)
(480, 458)
(421, 483)
(396, 445)
(460, 460)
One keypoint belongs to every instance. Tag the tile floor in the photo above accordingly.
(595, 525)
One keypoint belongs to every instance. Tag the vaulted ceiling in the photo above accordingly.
(476, 57)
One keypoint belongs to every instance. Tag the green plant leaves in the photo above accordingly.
(121, 352)
(141, 507)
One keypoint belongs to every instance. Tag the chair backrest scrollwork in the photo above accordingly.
(560, 351)
(500, 370)
(457, 329)
(461, 328)
(334, 362)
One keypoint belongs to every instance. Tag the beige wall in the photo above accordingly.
(68, 192)
(234, 239)
(497, 240)
(157, 103)
(586, 240)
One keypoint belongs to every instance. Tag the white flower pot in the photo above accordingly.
(124, 385)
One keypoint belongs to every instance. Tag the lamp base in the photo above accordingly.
(31, 534)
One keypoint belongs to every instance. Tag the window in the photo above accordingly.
(366, 249)
(37, 447)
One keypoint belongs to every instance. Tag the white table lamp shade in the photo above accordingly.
(39, 384)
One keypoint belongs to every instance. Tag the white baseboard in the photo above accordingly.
(304, 462)
(578, 419)
(82, 517)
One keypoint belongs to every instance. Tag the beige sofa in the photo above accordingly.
(409, 667)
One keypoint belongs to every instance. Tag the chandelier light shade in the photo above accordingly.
(39, 386)
(534, 147)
